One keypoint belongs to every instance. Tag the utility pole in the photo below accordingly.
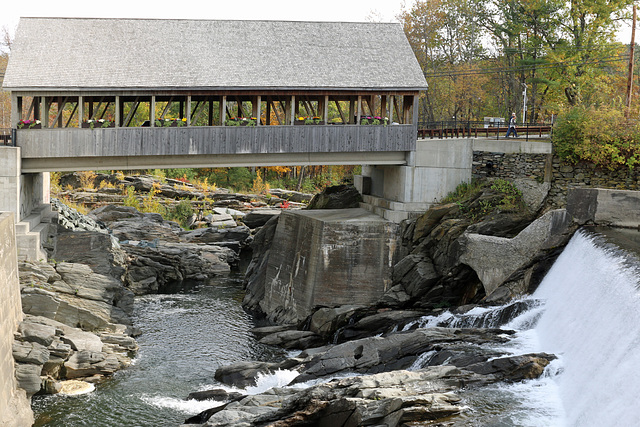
(524, 103)
(631, 51)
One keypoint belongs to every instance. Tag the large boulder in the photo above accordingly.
(259, 217)
(216, 235)
(167, 265)
(292, 196)
(336, 197)
(496, 259)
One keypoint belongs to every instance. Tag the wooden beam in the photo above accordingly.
(188, 114)
(166, 108)
(80, 110)
(267, 116)
(395, 106)
(132, 111)
(45, 112)
(415, 110)
(197, 112)
(352, 107)
(36, 108)
(325, 110)
(340, 111)
(359, 109)
(240, 107)
(75, 107)
(15, 110)
(33, 101)
(152, 112)
(223, 109)
(383, 106)
(391, 102)
(294, 107)
(258, 111)
(276, 111)
(118, 111)
(61, 104)
(106, 107)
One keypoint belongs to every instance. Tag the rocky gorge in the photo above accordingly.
(484, 249)
(78, 305)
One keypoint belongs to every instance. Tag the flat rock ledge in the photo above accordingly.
(391, 399)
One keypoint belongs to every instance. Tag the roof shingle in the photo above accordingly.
(85, 54)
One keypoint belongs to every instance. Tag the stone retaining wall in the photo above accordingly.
(15, 409)
(563, 176)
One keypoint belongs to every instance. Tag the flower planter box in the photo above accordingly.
(170, 124)
(98, 125)
(303, 122)
(29, 124)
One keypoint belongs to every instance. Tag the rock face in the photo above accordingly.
(322, 258)
(496, 259)
(73, 294)
(47, 351)
(159, 254)
(167, 265)
(390, 398)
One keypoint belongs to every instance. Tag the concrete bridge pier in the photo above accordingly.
(27, 195)
(431, 172)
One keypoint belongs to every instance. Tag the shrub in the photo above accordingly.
(181, 213)
(602, 136)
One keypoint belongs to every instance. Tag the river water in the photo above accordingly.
(585, 311)
(185, 337)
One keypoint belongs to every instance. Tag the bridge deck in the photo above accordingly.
(207, 146)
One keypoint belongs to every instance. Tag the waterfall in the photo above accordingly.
(586, 311)
(591, 321)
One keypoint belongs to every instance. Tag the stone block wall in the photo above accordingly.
(509, 165)
(15, 409)
(563, 176)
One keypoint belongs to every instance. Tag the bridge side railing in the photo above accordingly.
(475, 129)
(170, 141)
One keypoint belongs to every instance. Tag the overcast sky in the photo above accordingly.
(288, 10)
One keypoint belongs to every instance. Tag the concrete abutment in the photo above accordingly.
(432, 171)
(15, 408)
(27, 195)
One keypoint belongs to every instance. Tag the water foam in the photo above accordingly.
(188, 407)
(264, 382)
(592, 319)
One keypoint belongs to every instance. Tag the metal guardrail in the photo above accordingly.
(451, 129)
(7, 136)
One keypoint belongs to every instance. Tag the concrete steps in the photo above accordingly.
(32, 232)
(393, 211)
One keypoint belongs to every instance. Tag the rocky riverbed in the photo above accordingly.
(353, 365)
(399, 371)
(78, 305)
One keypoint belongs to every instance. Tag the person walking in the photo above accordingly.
(512, 126)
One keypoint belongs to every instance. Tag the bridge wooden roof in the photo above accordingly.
(80, 54)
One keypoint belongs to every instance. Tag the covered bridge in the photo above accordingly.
(143, 93)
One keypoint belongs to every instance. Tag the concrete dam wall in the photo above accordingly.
(327, 258)
(15, 408)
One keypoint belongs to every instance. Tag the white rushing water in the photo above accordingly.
(592, 321)
(586, 311)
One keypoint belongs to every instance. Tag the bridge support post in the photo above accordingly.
(27, 195)
(434, 170)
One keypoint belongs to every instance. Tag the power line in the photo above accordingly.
(524, 67)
